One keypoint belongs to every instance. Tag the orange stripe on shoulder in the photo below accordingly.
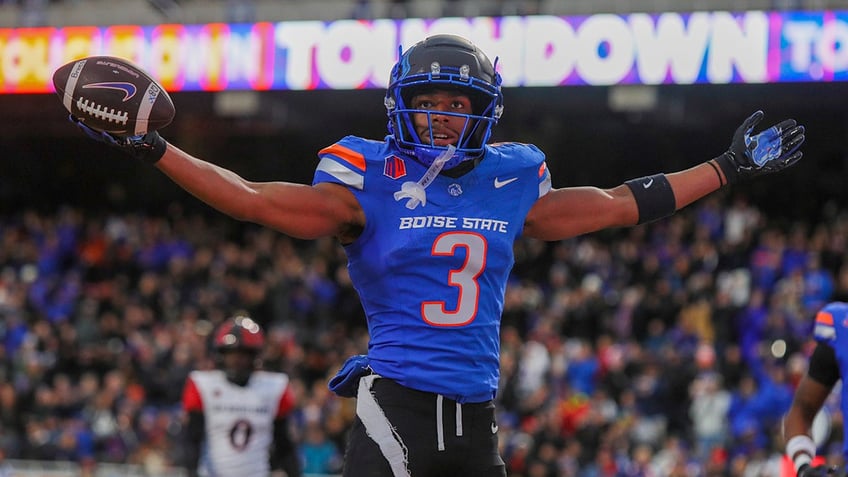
(542, 169)
(355, 159)
(824, 318)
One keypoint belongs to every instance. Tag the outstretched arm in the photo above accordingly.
(565, 213)
(298, 210)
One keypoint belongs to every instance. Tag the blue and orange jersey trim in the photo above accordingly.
(343, 164)
(345, 154)
(544, 179)
(824, 328)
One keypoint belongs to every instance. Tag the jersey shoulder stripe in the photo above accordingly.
(827, 319)
(338, 173)
(345, 155)
(544, 180)
(346, 161)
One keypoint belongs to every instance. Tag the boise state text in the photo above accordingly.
(442, 222)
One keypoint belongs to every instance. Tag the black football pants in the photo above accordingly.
(420, 435)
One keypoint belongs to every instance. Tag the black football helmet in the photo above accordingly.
(239, 335)
(444, 62)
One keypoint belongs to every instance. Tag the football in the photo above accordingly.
(113, 95)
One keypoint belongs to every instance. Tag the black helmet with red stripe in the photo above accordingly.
(238, 343)
(240, 332)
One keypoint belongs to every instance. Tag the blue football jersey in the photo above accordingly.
(431, 276)
(832, 328)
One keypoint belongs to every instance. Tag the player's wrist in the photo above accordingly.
(149, 148)
(729, 167)
(157, 148)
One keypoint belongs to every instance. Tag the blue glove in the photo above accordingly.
(346, 382)
(771, 150)
(148, 148)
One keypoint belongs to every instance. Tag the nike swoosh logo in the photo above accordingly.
(494, 428)
(648, 184)
(128, 88)
(499, 183)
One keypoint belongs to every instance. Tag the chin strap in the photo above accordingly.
(415, 191)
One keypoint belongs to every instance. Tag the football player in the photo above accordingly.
(428, 217)
(237, 415)
(826, 367)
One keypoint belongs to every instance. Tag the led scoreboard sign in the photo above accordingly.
(602, 49)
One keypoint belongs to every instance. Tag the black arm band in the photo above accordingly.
(654, 197)
(728, 166)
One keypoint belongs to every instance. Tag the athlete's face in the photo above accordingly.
(447, 129)
(238, 365)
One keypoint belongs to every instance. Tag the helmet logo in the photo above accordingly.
(435, 69)
(464, 71)
(389, 103)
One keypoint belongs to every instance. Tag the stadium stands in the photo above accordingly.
(609, 340)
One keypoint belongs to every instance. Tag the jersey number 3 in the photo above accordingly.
(464, 278)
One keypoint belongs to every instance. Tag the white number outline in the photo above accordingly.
(464, 278)
(241, 430)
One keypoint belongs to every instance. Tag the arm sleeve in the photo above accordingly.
(195, 427)
(823, 366)
(284, 454)
(192, 442)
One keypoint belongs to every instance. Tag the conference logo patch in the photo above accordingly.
(394, 167)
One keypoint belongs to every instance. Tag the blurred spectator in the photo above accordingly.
(710, 403)
(398, 8)
(11, 420)
(362, 10)
(320, 455)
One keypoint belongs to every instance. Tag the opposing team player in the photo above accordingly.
(828, 364)
(428, 217)
(237, 415)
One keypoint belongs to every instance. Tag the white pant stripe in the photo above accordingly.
(458, 420)
(379, 429)
(440, 424)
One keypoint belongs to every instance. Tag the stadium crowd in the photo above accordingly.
(668, 349)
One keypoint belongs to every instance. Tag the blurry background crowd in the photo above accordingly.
(667, 349)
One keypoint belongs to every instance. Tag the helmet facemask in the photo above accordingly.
(444, 62)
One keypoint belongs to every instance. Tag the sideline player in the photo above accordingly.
(826, 367)
(237, 415)
(428, 217)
